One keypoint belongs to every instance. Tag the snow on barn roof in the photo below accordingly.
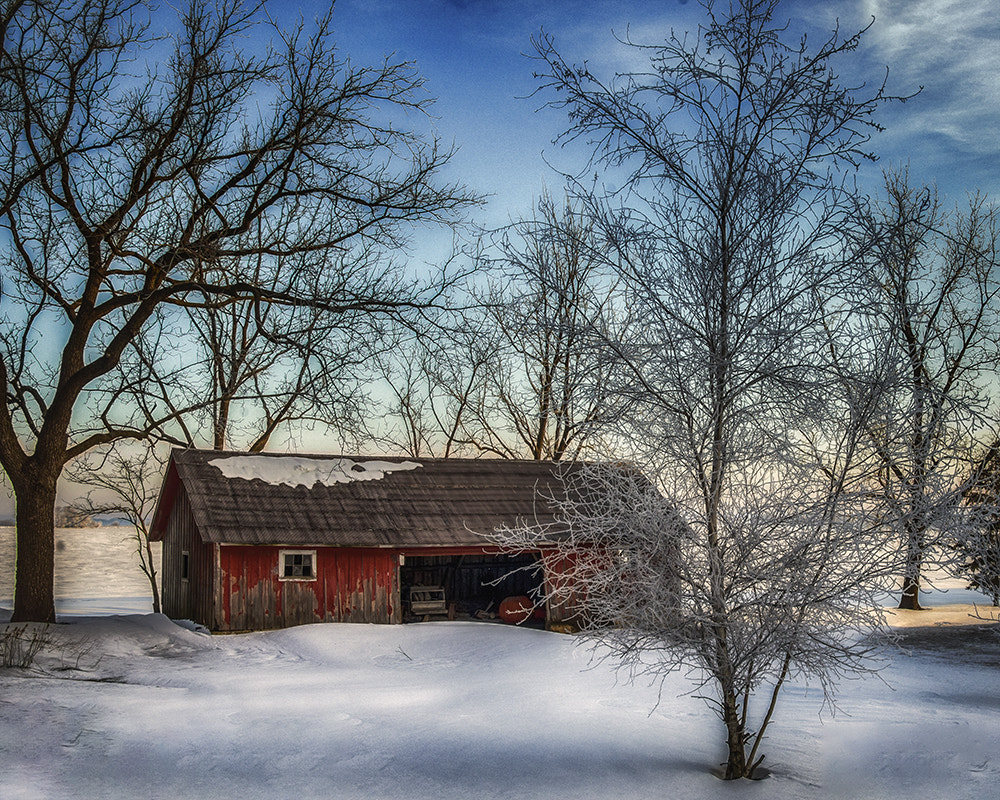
(304, 471)
(352, 501)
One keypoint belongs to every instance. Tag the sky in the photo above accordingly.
(475, 58)
(474, 55)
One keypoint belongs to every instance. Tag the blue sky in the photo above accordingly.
(472, 53)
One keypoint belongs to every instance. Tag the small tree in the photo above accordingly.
(787, 589)
(732, 222)
(125, 484)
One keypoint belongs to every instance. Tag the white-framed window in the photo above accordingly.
(297, 565)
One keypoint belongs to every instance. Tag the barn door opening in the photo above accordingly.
(475, 585)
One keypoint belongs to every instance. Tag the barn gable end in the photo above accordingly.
(189, 571)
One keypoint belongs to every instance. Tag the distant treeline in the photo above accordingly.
(69, 517)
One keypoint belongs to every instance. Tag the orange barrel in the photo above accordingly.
(516, 610)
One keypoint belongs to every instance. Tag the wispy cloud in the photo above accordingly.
(950, 47)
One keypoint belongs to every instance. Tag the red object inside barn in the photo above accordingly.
(516, 610)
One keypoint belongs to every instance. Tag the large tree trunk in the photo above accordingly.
(34, 598)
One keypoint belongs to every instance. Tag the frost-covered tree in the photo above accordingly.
(934, 300)
(732, 223)
(784, 587)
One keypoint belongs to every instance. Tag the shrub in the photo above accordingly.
(19, 644)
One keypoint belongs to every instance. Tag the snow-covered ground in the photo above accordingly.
(135, 706)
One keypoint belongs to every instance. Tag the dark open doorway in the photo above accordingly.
(474, 584)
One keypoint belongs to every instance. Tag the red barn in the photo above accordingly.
(257, 541)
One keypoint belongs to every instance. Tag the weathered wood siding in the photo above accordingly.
(192, 598)
(352, 585)
(568, 600)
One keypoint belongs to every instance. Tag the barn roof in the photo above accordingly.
(352, 501)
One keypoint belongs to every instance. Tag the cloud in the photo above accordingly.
(950, 48)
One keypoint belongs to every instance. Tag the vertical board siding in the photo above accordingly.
(563, 585)
(191, 599)
(352, 585)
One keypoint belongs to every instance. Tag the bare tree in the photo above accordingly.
(435, 384)
(136, 181)
(267, 367)
(935, 305)
(516, 371)
(124, 482)
(732, 220)
(546, 398)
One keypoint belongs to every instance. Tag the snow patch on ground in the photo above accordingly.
(298, 471)
(943, 615)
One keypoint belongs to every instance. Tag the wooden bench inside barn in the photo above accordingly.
(427, 600)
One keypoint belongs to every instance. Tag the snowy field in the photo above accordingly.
(97, 571)
(135, 706)
(138, 707)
